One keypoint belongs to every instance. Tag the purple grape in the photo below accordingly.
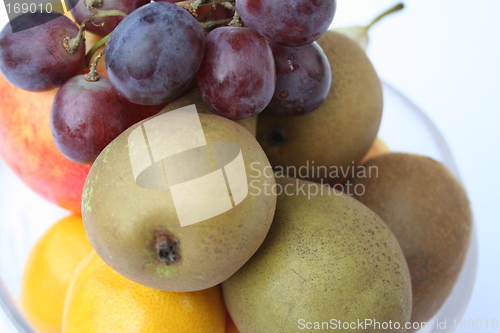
(34, 58)
(153, 55)
(288, 23)
(237, 76)
(80, 12)
(86, 117)
(303, 79)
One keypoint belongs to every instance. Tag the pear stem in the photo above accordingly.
(394, 9)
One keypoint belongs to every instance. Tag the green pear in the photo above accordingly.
(327, 260)
(334, 137)
(429, 212)
(134, 220)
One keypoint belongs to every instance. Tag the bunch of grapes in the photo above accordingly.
(242, 56)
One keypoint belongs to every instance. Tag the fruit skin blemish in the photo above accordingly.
(167, 247)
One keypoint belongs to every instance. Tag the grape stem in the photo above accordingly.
(71, 44)
(192, 5)
(96, 47)
(236, 21)
(91, 4)
(92, 75)
(213, 24)
(396, 8)
(106, 13)
(229, 6)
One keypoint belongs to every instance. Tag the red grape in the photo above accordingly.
(86, 117)
(80, 12)
(237, 76)
(33, 57)
(303, 78)
(289, 23)
(153, 55)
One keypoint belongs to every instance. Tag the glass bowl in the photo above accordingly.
(24, 216)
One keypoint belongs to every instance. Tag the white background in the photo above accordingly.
(445, 56)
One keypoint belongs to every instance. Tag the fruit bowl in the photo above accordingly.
(24, 216)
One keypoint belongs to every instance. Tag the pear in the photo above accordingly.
(429, 212)
(359, 33)
(135, 221)
(327, 261)
(334, 137)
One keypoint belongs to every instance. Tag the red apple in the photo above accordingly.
(27, 147)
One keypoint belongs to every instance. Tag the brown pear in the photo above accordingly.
(429, 212)
(335, 136)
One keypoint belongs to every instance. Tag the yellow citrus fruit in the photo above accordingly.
(48, 271)
(99, 300)
(230, 326)
(378, 147)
